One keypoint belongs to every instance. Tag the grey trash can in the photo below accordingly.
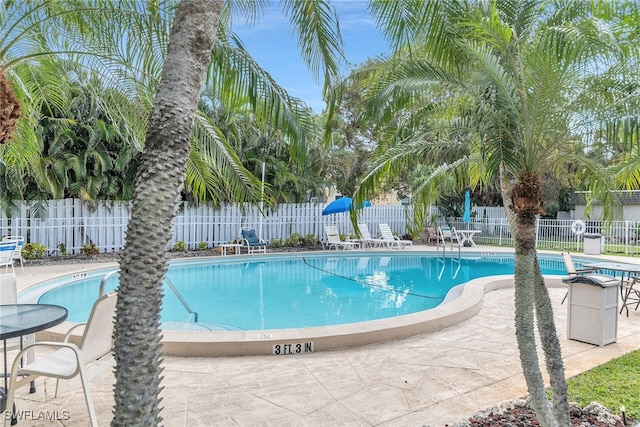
(592, 243)
(593, 309)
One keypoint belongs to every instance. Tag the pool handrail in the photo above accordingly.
(167, 281)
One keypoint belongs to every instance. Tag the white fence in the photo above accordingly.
(73, 224)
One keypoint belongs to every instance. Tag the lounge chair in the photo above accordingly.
(92, 357)
(251, 241)
(572, 270)
(17, 254)
(366, 238)
(6, 255)
(333, 239)
(390, 240)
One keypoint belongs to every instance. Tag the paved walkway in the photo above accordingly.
(429, 379)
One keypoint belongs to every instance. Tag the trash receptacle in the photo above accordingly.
(592, 243)
(593, 309)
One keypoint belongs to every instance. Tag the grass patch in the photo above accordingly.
(613, 384)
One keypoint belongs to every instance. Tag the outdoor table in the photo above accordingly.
(467, 236)
(621, 267)
(17, 320)
(225, 246)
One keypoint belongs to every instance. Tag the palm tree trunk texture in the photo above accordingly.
(525, 278)
(532, 299)
(9, 109)
(551, 346)
(158, 188)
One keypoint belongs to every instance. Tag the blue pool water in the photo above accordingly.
(297, 291)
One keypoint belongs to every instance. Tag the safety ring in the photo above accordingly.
(578, 227)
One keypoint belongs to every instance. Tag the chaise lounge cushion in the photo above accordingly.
(251, 238)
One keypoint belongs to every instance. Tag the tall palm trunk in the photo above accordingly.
(551, 347)
(525, 277)
(158, 188)
(530, 287)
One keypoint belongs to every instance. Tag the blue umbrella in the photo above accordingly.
(342, 204)
(466, 216)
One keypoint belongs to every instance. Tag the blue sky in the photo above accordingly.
(271, 44)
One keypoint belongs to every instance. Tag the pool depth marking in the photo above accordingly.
(294, 348)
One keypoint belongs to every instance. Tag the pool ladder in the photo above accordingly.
(166, 280)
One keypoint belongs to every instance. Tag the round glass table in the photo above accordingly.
(17, 320)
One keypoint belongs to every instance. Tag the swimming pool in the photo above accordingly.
(300, 291)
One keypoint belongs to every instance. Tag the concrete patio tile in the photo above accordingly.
(428, 379)
(378, 404)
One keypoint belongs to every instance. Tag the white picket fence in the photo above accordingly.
(72, 223)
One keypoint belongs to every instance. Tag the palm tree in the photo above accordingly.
(159, 183)
(488, 91)
(125, 41)
(126, 54)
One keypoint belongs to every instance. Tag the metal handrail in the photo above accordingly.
(167, 281)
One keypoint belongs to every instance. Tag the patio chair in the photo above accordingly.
(88, 359)
(6, 255)
(572, 270)
(251, 241)
(17, 254)
(630, 291)
(390, 240)
(334, 241)
(366, 238)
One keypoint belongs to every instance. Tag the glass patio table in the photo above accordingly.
(18, 320)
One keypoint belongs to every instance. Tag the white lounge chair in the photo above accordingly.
(333, 239)
(6, 255)
(390, 240)
(366, 238)
(88, 359)
(17, 253)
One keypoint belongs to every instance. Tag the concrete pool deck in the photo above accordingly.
(428, 379)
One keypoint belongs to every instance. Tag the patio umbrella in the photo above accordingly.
(342, 204)
(466, 216)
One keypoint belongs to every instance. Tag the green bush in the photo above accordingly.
(311, 240)
(276, 243)
(203, 246)
(89, 249)
(62, 249)
(180, 246)
(33, 250)
(294, 240)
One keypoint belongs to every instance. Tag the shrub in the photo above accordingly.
(89, 249)
(180, 246)
(294, 240)
(203, 246)
(311, 240)
(62, 249)
(276, 243)
(33, 250)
